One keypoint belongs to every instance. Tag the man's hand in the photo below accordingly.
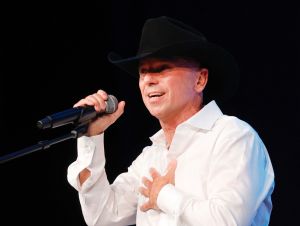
(100, 124)
(152, 188)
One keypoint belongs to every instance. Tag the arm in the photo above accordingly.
(102, 203)
(98, 126)
(84, 175)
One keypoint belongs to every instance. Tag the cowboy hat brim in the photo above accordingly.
(223, 70)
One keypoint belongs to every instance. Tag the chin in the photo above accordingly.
(158, 114)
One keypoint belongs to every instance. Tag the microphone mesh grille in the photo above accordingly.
(111, 104)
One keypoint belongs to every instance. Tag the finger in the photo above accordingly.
(120, 110)
(146, 206)
(146, 182)
(172, 167)
(83, 102)
(101, 104)
(144, 191)
(154, 173)
(171, 171)
(106, 120)
(103, 94)
(91, 98)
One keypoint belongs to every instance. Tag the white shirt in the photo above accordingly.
(224, 176)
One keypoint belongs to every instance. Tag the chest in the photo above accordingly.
(193, 156)
(191, 174)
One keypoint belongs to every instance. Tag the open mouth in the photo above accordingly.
(155, 94)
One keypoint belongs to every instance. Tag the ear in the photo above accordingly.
(202, 78)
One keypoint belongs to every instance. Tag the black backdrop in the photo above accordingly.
(54, 53)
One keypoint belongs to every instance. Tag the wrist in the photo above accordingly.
(169, 200)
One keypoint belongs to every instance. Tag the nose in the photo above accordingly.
(149, 78)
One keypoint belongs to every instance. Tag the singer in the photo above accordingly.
(203, 167)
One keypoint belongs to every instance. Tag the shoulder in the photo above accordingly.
(234, 125)
(234, 130)
(238, 138)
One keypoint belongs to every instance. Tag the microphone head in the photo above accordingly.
(111, 104)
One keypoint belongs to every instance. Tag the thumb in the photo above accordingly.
(102, 123)
(171, 171)
(172, 167)
(119, 111)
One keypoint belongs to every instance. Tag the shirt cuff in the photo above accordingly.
(90, 155)
(169, 200)
(90, 150)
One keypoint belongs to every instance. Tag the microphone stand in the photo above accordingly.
(41, 145)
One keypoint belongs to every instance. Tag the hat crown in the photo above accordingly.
(164, 31)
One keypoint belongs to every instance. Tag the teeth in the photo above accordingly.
(154, 94)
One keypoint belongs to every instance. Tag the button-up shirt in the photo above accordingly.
(224, 176)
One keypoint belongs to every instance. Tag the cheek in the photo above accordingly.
(180, 87)
(182, 93)
(141, 87)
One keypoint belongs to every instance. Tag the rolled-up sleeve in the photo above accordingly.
(90, 155)
(102, 203)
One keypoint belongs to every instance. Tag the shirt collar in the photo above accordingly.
(203, 119)
(206, 117)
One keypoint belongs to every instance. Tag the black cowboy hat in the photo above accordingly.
(167, 37)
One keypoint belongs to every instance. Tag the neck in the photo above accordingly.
(169, 125)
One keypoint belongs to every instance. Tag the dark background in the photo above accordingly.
(54, 53)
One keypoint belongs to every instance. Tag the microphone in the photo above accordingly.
(77, 115)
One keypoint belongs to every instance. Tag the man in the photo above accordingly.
(203, 168)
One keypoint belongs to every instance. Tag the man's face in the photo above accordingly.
(170, 88)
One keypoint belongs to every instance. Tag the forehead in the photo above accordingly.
(156, 62)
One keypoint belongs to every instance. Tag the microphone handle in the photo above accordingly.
(69, 116)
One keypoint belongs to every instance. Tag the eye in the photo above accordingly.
(161, 68)
(154, 69)
(142, 70)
